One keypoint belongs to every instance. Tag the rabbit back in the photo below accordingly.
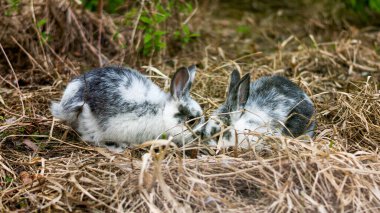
(112, 91)
(283, 102)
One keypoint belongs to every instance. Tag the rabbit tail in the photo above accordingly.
(69, 115)
(71, 104)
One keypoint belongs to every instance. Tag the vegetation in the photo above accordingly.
(373, 5)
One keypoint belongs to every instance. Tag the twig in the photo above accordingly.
(31, 57)
(100, 13)
(16, 80)
(38, 32)
(192, 13)
(131, 41)
(92, 49)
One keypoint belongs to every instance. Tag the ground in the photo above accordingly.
(321, 47)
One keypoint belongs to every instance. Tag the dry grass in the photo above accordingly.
(45, 166)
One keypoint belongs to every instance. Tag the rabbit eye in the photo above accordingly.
(192, 121)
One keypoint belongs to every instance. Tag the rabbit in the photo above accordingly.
(117, 107)
(271, 105)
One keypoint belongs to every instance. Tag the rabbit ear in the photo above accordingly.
(238, 95)
(181, 82)
(243, 90)
(234, 80)
(192, 70)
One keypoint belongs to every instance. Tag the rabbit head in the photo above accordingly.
(231, 110)
(182, 113)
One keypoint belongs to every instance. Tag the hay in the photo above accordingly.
(45, 166)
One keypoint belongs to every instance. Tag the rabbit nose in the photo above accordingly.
(200, 132)
(214, 130)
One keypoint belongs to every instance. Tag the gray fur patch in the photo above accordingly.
(99, 91)
(282, 98)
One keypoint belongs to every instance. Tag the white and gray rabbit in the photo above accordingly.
(271, 105)
(116, 107)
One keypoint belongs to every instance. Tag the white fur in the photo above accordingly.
(133, 129)
(139, 92)
(71, 89)
(179, 131)
(88, 126)
(129, 127)
(246, 130)
(58, 109)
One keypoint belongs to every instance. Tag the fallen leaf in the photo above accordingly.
(10, 120)
(104, 152)
(2, 101)
(148, 181)
(25, 177)
(30, 144)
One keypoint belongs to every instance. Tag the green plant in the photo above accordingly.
(21, 130)
(361, 5)
(160, 21)
(8, 179)
(44, 35)
(360, 12)
(113, 5)
(185, 35)
(331, 144)
(153, 35)
(91, 5)
(14, 6)
(244, 30)
(130, 16)
(159, 25)
(22, 203)
(110, 6)
(164, 136)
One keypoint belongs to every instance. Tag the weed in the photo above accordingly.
(8, 179)
(90, 4)
(164, 136)
(185, 35)
(359, 5)
(153, 36)
(110, 6)
(244, 30)
(130, 16)
(331, 144)
(363, 11)
(23, 203)
(21, 130)
(44, 35)
(14, 6)
(154, 25)
(159, 22)
(113, 5)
